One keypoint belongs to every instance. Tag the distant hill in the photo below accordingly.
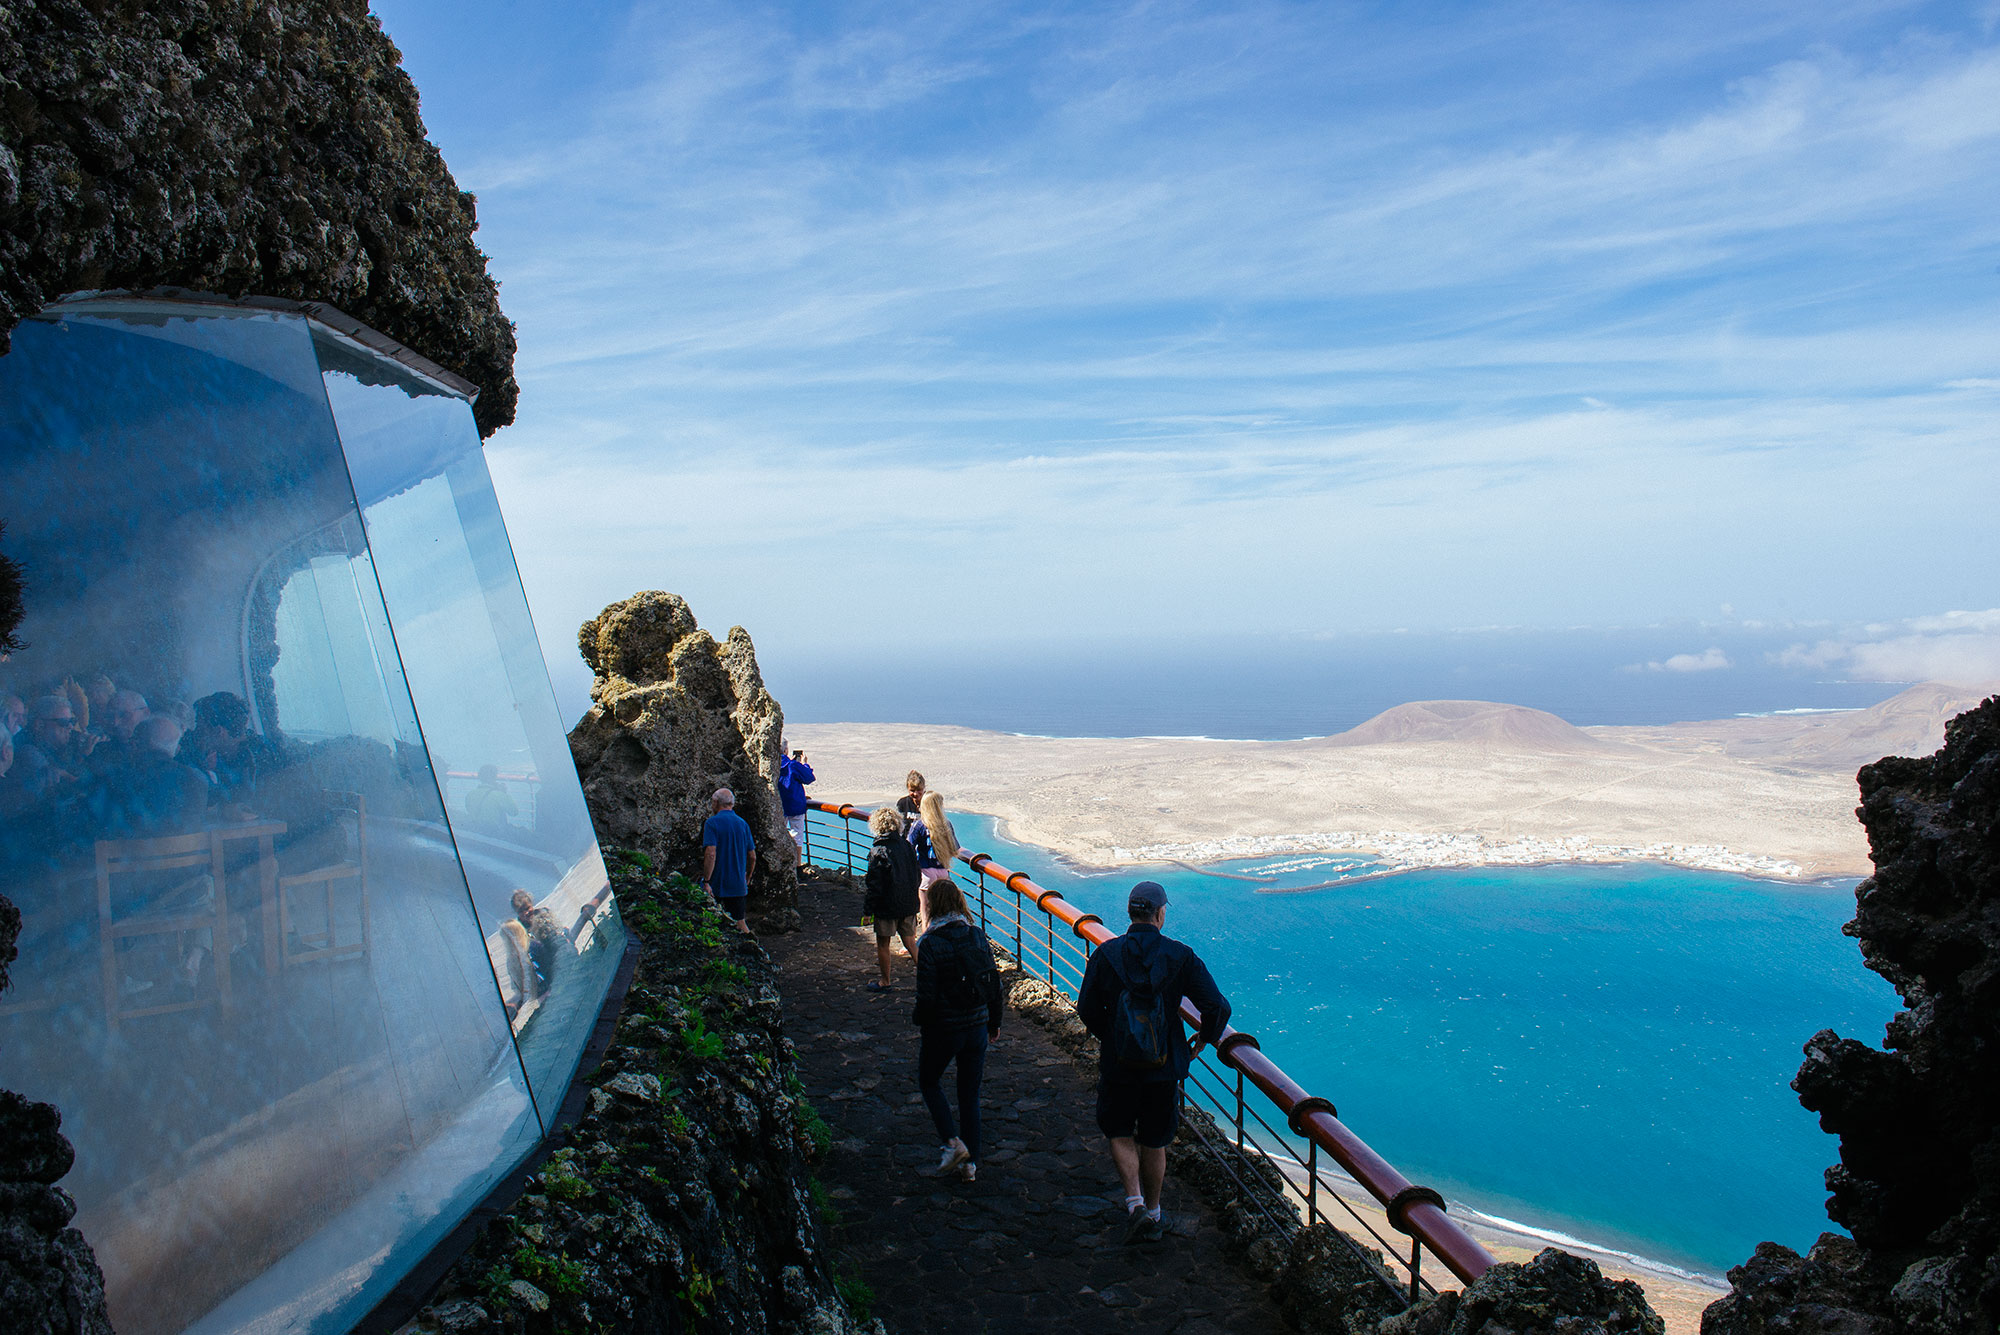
(1511, 727)
(1910, 723)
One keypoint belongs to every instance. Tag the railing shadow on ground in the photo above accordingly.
(1234, 1084)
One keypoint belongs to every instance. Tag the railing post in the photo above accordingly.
(1312, 1181)
(1416, 1267)
(847, 834)
(1239, 1109)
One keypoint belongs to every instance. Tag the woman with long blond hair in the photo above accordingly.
(934, 839)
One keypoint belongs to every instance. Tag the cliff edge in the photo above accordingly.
(1918, 1182)
(673, 717)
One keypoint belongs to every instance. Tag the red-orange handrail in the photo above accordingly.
(1409, 1208)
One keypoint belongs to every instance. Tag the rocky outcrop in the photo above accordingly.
(674, 716)
(231, 148)
(1554, 1294)
(683, 1199)
(1918, 1182)
(49, 1281)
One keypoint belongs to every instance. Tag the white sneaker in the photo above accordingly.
(968, 1172)
(953, 1153)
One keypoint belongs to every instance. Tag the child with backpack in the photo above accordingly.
(958, 1013)
(1131, 1000)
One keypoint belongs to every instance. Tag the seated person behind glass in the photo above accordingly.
(536, 944)
(488, 805)
(125, 711)
(150, 793)
(235, 759)
(49, 757)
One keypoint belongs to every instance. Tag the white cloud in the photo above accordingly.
(1708, 660)
(1957, 648)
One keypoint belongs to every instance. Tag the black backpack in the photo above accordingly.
(1141, 1036)
(970, 961)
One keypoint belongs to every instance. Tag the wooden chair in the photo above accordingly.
(327, 945)
(149, 857)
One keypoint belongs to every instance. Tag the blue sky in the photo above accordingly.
(1104, 321)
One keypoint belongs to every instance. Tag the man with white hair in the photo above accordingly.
(149, 792)
(728, 858)
(125, 711)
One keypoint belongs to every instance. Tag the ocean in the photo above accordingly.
(1598, 1051)
(1277, 686)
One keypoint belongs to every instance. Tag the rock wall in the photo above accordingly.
(49, 1280)
(674, 716)
(226, 147)
(1918, 1182)
(683, 1200)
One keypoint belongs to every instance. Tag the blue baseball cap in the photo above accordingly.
(1151, 894)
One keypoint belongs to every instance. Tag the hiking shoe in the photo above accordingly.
(953, 1154)
(1142, 1227)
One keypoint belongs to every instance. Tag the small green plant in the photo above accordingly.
(493, 1284)
(702, 930)
(697, 1292)
(561, 1181)
(701, 1045)
(856, 1292)
(644, 917)
(829, 1212)
(721, 974)
(676, 1122)
(557, 1276)
(815, 1127)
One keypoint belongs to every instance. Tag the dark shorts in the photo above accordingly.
(736, 906)
(1147, 1113)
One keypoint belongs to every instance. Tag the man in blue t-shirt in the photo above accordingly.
(728, 857)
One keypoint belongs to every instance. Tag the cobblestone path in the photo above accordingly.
(1037, 1244)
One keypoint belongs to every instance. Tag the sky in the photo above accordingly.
(861, 324)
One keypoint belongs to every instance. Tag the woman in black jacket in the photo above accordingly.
(891, 896)
(958, 1012)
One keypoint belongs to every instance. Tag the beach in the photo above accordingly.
(1429, 784)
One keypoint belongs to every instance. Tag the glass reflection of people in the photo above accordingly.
(222, 746)
(13, 715)
(150, 791)
(124, 712)
(488, 806)
(50, 758)
(536, 943)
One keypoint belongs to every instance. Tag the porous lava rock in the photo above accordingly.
(1554, 1294)
(673, 717)
(49, 1280)
(683, 1199)
(219, 146)
(1918, 1182)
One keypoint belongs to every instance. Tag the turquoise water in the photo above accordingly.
(1601, 1051)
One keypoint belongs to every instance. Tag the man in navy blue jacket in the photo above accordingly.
(1139, 1082)
(793, 776)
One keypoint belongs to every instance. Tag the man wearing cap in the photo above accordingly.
(1138, 1103)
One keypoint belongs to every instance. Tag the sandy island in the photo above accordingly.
(1443, 783)
(1438, 783)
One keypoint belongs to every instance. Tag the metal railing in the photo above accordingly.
(1233, 1083)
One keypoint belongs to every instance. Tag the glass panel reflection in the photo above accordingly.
(250, 971)
(482, 694)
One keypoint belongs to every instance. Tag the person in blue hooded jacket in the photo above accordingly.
(793, 776)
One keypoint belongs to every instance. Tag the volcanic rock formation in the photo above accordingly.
(674, 717)
(1918, 1183)
(231, 148)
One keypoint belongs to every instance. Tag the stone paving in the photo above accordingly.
(1036, 1245)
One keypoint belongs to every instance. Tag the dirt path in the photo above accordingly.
(1036, 1245)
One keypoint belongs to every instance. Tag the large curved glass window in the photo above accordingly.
(286, 754)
